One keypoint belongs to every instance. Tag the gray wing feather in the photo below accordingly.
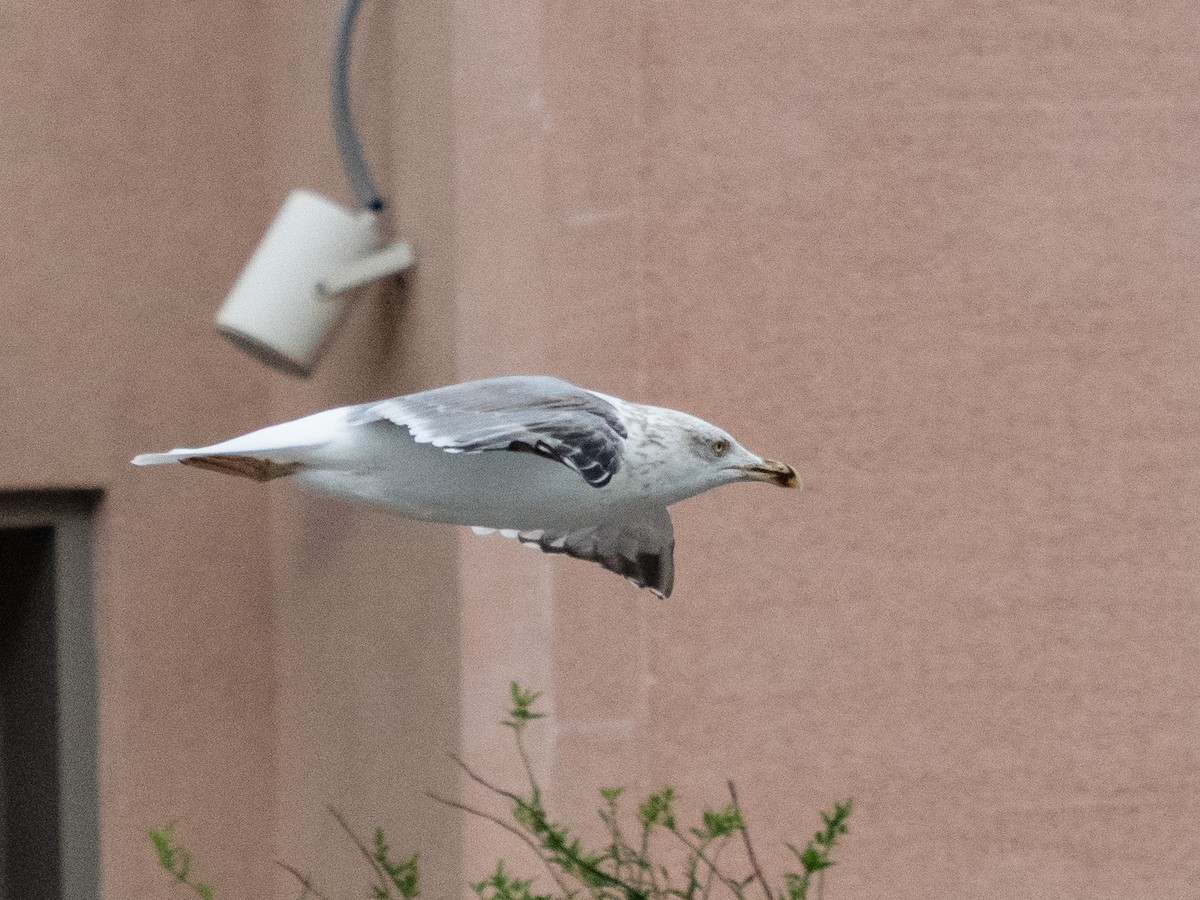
(642, 550)
(518, 413)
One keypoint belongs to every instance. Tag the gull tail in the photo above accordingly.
(256, 468)
(156, 459)
(262, 455)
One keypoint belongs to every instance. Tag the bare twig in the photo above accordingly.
(617, 848)
(693, 864)
(511, 829)
(645, 855)
(699, 852)
(535, 808)
(655, 886)
(707, 892)
(762, 879)
(479, 779)
(362, 848)
(306, 885)
(535, 792)
(666, 879)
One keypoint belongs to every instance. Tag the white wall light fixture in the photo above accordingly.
(292, 294)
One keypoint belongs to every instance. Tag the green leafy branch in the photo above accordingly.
(814, 859)
(626, 867)
(177, 861)
(522, 712)
(394, 879)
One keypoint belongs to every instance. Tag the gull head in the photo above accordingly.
(703, 456)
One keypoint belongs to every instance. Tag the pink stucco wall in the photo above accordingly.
(939, 256)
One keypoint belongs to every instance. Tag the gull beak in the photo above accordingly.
(772, 472)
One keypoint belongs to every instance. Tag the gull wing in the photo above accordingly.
(520, 413)
(640, 548)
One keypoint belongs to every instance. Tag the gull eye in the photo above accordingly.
(719, 447)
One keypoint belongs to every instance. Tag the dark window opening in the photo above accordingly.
(48, 799)
(29, 853)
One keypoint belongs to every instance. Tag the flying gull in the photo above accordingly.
(540, 460)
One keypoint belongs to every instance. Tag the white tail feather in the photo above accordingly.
(155, 459)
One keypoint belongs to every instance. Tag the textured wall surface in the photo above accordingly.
(940, 256)
(960, 243)
(131, 176)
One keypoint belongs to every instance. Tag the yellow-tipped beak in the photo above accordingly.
(772, 472)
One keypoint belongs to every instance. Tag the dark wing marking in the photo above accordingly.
(519, 413)
(642, 550)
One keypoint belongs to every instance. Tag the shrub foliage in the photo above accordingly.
(629, 865)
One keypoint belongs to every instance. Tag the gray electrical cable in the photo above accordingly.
(343, 125)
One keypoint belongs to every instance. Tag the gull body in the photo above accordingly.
(556, 466)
